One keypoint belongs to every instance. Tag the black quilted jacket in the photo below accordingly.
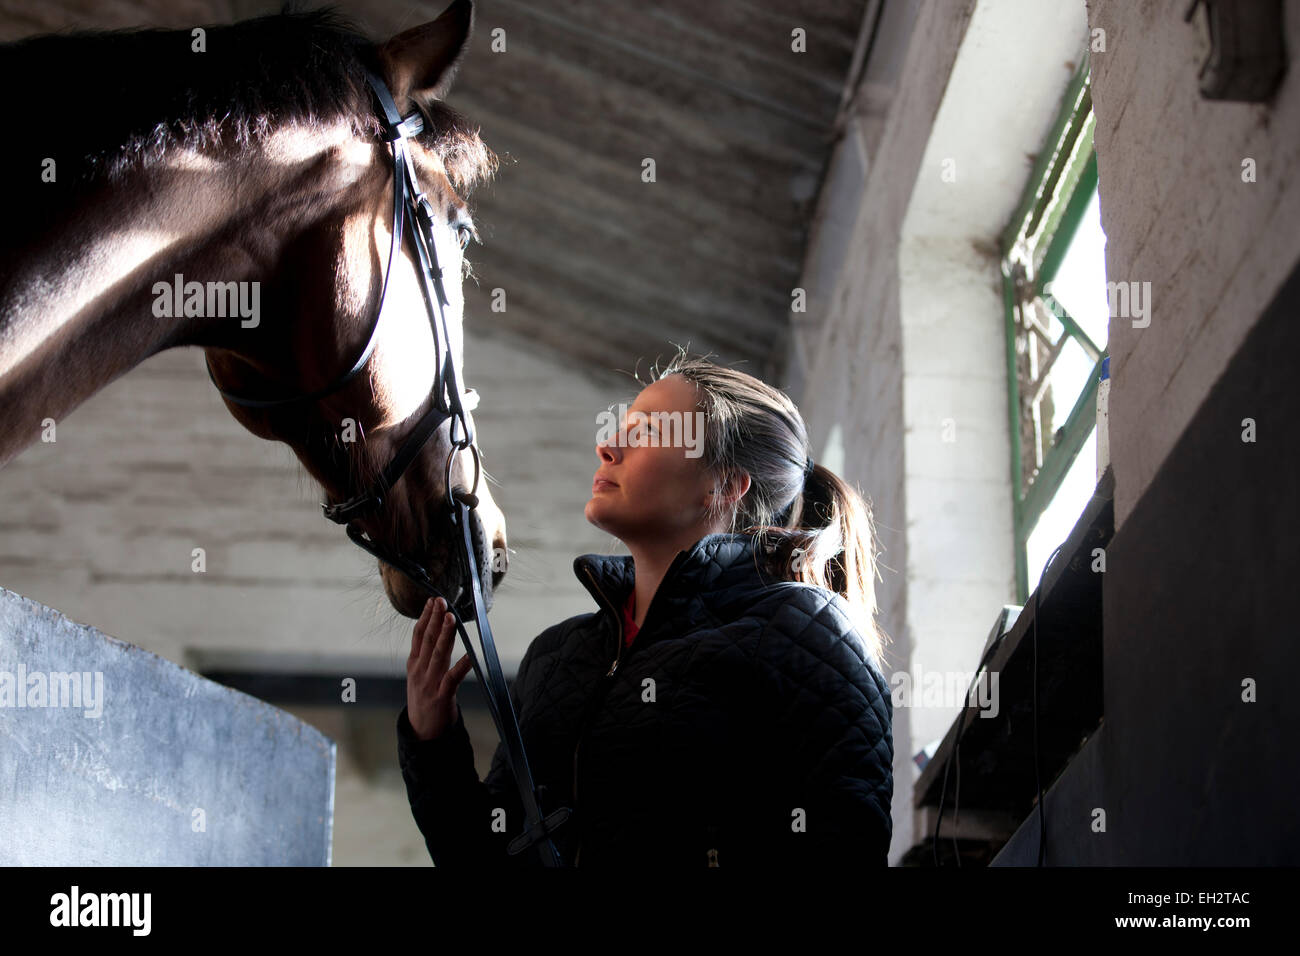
(742, 727)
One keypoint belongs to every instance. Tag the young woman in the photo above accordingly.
(726, 704)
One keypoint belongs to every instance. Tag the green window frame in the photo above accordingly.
(1032, 248)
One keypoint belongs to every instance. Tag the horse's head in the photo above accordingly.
(324, 294)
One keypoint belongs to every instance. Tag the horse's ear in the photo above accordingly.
(422, 62)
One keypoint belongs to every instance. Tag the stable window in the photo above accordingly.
(1057, 317)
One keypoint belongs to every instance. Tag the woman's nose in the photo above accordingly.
(609, 448)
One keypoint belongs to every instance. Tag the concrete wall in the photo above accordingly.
(1177, 214)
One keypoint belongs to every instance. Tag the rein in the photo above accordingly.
(413, 207)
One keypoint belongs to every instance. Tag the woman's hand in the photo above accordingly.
(430, 684)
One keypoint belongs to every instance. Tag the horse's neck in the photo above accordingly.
(77, 306)
(76, 309)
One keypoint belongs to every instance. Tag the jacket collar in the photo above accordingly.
(707, 565)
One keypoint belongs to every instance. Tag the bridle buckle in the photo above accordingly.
(355, 507)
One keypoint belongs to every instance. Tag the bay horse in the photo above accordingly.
(146, 168)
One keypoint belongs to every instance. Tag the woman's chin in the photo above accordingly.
(596, 515)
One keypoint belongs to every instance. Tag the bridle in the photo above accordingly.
(411, 206)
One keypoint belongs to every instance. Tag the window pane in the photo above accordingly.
(1069, 376)
(1080, 283)
(1059, 518)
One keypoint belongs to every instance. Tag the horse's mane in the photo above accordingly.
(104, 102)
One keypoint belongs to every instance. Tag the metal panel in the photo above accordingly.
(113, 756)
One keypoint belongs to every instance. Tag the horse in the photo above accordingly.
(227, 188)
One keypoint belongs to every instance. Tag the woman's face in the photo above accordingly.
(652, 484)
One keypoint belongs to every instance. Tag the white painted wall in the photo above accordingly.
(1178, 215)
(1016, 58)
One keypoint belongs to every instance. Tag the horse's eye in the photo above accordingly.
(465, 234)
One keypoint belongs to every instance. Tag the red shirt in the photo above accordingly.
(629, 624)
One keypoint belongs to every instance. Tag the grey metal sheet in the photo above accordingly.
(131, 760)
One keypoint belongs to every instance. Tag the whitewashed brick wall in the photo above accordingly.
(1177, 214)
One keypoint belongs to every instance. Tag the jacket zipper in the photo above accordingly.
(618, 654)
(609, 674)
